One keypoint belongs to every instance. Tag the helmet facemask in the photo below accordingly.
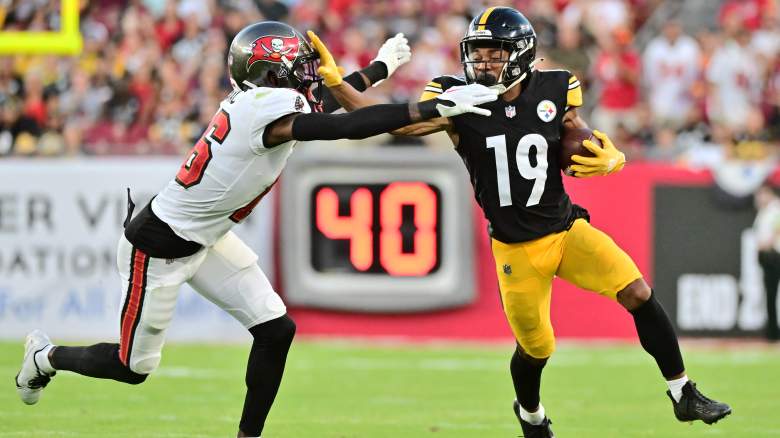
(516, 57)
(305, 79)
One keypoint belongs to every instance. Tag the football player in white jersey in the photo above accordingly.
(183, 235)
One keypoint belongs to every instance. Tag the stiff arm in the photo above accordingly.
(372, 120)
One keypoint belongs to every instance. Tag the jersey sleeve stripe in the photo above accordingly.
(574, 85)
(428, 95)
(574, 97)
(433, 90)
(572, 78)
(434, 84)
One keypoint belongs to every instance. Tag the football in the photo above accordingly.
(571, 144)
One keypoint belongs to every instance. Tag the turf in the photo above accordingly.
(348, 389)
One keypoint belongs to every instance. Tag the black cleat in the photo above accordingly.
(533, 431)
(694, 405)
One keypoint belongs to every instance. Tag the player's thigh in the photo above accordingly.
(230, 278)
(593, 261)
(150, 288)
(525, 287)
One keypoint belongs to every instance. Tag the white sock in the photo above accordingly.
(675, 387)
(42, 359)
(534, 418)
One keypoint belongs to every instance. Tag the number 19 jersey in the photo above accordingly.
(229, 169)
(513, 155)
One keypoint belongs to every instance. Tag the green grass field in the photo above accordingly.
(360, 389)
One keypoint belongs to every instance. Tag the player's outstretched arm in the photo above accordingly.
(394, 53)
(426, 127)
(377, 119)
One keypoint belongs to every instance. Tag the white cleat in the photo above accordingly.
(31, 379)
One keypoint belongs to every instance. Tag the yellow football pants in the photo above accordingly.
(582, 255)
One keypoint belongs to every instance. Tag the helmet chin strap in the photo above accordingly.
(504, 88)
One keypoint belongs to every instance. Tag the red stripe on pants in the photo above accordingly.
(132, 309)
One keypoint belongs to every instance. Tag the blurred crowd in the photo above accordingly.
(152, 72)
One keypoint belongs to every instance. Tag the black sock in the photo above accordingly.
(99, 360)
(264, 371)
(527, 377)
(657, 337)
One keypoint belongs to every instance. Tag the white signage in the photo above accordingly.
(59, 225)
(721, 301)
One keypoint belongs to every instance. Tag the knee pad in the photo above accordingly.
(275, 333)
(538, 343)
(121, 372)
(272, 340)
(144, 365)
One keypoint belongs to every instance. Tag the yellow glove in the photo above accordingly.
(330, 72)
(607, 159)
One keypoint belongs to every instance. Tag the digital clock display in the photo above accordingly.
(392, 228)
(376, 229)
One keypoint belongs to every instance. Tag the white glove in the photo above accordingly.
(466, 98)
(394, 53)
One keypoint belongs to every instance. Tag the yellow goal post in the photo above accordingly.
(65, 42)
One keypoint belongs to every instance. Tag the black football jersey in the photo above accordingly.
(513, 155)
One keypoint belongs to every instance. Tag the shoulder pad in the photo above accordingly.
(448, 81)
(439, 84)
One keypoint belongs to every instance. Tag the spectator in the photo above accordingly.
(747, 13)
(569, 52)
(198, 11)
(273, 10)
(665, 146)
(34, 106)
(767, 229)
(355, 53)
(18, 132)
(148, 66)
(408, 19)
(616, 73)
(169, 28)
(10, 83)
(670, 71)
(734, 77)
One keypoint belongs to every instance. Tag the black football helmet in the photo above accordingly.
(274, 54)
(506, 29)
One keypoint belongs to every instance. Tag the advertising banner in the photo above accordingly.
(706, 262)
(60, 221)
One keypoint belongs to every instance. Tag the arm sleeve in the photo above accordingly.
(362, 123)
(270, 104)
(374, 72)
(574, 93)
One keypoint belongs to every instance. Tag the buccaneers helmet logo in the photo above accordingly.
(274, 49)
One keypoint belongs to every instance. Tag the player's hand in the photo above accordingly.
(330, 72)
(394, 53)
(608, 159)
(464, 99)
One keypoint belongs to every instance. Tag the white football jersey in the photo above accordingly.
(229, 169)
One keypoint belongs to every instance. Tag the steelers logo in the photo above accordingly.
(546, 110)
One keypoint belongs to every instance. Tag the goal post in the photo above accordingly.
(65, 42)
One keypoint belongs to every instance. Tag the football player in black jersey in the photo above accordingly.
(537, 233)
